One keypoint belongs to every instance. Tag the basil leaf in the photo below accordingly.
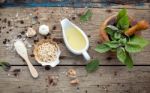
(139, 41)
(86, 16)
(123, 41)
(102, 48)
(5, 65)
(121, 54)
(129, 61)
(124, 57)
(92, 66)
(133, 47)
(136, 44)
(123, 23)
(121, 13)
(112, 37)
(111, 29)
(112, 44)
(117, 35)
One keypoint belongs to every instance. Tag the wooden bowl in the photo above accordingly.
(110, 21)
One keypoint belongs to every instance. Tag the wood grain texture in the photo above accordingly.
(109, 79)
(15, 21)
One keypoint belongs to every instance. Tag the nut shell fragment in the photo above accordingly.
(71, 73)
(30, 32)
(74, 82)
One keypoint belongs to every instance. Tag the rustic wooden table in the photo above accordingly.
(112, 77)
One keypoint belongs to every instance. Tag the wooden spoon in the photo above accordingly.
(22, 51)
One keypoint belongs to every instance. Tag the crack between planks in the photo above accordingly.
(84, 65)
(83, 7)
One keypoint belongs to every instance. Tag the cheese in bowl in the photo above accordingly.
(47, 52)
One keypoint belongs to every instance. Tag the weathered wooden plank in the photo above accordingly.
(15, 22)
(81, 1)
(109, 79)
(142, 4)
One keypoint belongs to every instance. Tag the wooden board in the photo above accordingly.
(15, 21)
(108, 79)
(111, 77)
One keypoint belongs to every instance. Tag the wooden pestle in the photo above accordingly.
(141, 25)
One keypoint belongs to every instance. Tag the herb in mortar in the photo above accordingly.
(121, 43)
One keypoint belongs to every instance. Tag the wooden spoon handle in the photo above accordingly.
(33, 71)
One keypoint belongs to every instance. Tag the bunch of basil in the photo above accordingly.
(121, 43)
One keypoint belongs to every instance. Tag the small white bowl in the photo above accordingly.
(65, 23)
(51, 63)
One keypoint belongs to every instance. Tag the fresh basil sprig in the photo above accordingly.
(122, 20)
(136, 44)
(92, 66)
(121, 13)
(102, 48)
(128, 61)
(121, 54)
(5, 65)
(123, 23)
(86, 16)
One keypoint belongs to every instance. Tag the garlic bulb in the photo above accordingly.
(43, 29)
(30, 32)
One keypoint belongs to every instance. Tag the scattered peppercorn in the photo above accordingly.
(16, 72)
(73, 18)
(19, 36)
(54, 27)
(109, 58)
(5, 41)
(108, 10)
(21, 21)
(32, 55)
(5, 20)
(9, 23)
(22, 32)
(47, 67)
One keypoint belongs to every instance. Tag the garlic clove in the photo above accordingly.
(30, 32)
(43, 29)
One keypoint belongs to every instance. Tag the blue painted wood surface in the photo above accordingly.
(69, 3)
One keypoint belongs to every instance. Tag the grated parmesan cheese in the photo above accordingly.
(47, 52)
